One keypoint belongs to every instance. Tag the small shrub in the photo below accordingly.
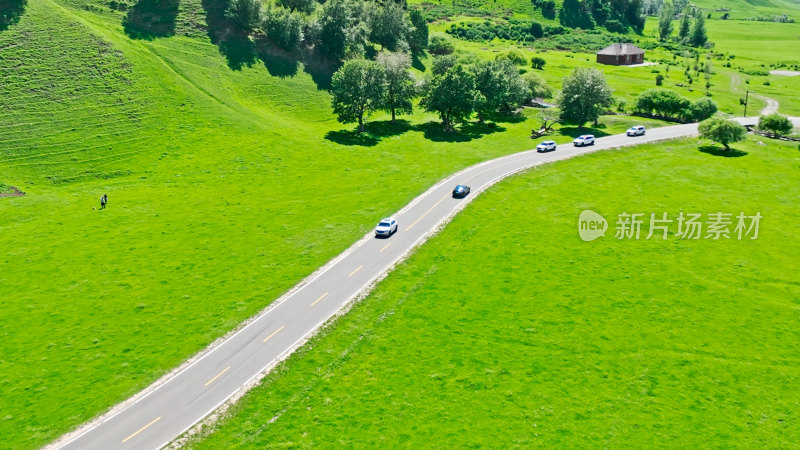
(440, 45)
(659, 80)
(515, 56)
(615, 26)
(775, 124)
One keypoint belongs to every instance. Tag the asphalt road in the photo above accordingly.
(167, 411)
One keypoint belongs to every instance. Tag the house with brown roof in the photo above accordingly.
(620, 55)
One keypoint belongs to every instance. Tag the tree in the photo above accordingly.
(452, 95)
(683, 31)
(703, 109)
(775, 124)
(399, 90)
(441, 64)
(698, 37)
(10, 12)
(283, 27)
(499, 86)
(340, 30)
(633, 15)
(723, 131)
(538, 63)
(584, 94)
(549, 9)
(537, 86)
(387, 24)
(357, 89)
(665, 23)
(575, 14)
(303, 6)
(547, 118)
(246, 14)
(659, 79)
(418, 33)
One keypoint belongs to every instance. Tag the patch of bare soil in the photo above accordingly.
(11, 191)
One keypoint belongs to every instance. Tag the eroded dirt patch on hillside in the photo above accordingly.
(10, 191)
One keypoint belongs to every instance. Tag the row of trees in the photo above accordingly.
(614, 15)
(669, 105)
(337, 28)
(690, 32)
(455, 89)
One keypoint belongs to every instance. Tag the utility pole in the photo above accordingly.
(746, 98)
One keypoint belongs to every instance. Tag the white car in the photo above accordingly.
(386, 228)
(638, 130)
(586, 139)
(546, 146)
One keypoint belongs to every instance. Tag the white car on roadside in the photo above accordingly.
(586, 139)
(637, 130)
(546, 146)
(386, 227)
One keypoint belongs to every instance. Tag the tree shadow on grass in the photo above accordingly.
(150, 19)
(10, 12)
(506, 117)
(233, 43)
(465, 133)
(573, 131)
(716, 151)
(352, 137)
(372, 134)
(282, 63)
(417, 63)
(320, 68)
(278, 62)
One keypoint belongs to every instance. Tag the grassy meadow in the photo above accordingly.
(226, 187)
(229, 180)
(508, 330)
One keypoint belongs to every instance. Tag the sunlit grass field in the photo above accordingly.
(508, 330)
(228, 182)
(226, 187)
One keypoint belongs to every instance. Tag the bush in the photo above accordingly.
(536, 30)
(775, 124)
(663, 102)
(615, 26)
(703, 109)
(440, 45)
(515, 56)
(659, 80)
(538, 62)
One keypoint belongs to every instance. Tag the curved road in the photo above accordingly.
(162, 413)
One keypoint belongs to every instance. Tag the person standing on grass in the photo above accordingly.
(103, 200)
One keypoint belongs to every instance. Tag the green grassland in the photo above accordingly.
(226, 187)
(229, 180)
(508, 330)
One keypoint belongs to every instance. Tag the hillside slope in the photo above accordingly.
(227, 183)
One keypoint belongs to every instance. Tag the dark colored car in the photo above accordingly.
(460, 191)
